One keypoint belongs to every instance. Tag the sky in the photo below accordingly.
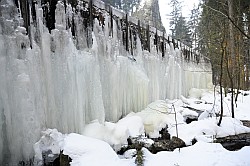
(165, 9)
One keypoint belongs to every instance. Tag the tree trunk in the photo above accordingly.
(221, 94)
(248, 54)
(231, 51)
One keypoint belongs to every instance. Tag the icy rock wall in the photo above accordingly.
(58, 84)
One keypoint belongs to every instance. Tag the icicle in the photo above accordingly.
(60, 83)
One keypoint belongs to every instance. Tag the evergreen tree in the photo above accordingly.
(126, 5)
(114, 3)
(178, 24)
(174, 15)
(182, 31)
(193, 26)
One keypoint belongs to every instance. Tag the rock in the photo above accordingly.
(163, 143)
(234, 142)
(194, 140)
(51, 159)
(135, 143)
(246, 94)
(167, 145)
(164, 134)
(246, 123)
(189, 120)
(177, 142)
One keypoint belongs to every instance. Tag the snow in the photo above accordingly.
(160, 114)
(209, 128)
(240, 112)
(51, 140)
(88, 151)
(157, 116)
(115, 134)
(85, 150)
(133, 123)
(201, 153)
(93, 152)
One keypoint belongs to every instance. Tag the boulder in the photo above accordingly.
(167, 145)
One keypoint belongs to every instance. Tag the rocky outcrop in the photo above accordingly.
(149, 12)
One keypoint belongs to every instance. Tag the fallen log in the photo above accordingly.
(234, 142)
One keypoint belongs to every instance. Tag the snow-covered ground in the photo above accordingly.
(96, 146)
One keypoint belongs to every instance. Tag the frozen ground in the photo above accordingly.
(99, 150)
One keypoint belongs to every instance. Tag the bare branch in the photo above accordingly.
(230, 19)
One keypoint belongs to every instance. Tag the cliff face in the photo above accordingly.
(149, 12)
(146, 10)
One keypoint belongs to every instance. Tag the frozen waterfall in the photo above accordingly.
(59, 83)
